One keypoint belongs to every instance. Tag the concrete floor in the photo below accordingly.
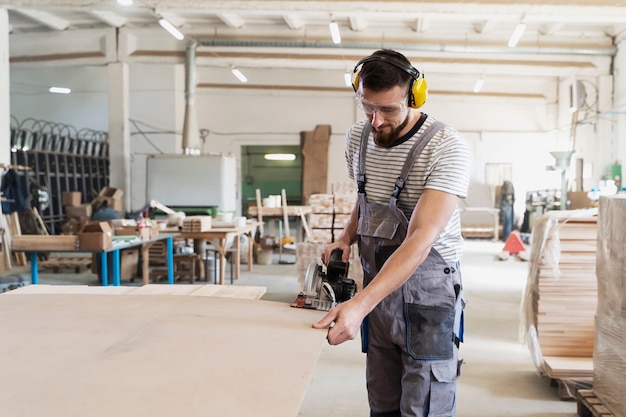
(498, 378)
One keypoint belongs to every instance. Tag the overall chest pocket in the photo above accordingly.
(378, 227)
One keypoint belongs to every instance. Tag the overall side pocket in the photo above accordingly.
(429, 301)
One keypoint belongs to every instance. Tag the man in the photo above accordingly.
(407, 226)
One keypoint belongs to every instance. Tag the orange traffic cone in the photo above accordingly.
(514, 244)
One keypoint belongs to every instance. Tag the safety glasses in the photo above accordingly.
(388, 111)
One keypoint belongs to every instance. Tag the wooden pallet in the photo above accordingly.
(64, 263)
(567, 389)
(591, 406)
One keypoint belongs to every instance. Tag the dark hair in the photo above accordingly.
(381, 76)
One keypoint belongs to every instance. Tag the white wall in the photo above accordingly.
(500, 128)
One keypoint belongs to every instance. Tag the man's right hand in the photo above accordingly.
(345, 257)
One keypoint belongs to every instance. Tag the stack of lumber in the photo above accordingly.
(321, 219)
(194, 224)
(330, 212)
(609, 357)
(561, 293)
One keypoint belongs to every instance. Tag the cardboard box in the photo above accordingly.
(125, 231)
(578, 200)
(76, 212)
(71, 198)
(95, 236)
(110, 192)
(129, 258)
(112, 196)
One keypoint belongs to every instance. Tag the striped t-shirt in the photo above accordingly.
(442, 165)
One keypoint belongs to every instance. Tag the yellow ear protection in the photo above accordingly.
(418, 92)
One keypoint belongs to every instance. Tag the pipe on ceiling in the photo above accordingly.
(191, 138)
(416, 47)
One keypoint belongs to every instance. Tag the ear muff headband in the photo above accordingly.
(418, 91)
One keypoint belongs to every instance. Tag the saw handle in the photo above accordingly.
(335, 255)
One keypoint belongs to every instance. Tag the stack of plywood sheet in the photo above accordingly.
(609, 357)
(195, 224)
(560, 297)
(108, 355)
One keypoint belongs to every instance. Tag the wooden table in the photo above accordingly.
(76, 355)
(218, 238)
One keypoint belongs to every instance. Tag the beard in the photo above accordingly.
(386, 139)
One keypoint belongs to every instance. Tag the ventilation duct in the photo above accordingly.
(577, 96)
(191, 137)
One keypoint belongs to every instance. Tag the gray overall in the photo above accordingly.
(412, 337)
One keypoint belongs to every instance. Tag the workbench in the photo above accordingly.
(76, 355)
(114, 254)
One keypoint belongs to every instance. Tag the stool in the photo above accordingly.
(185, 266)
(213, 253)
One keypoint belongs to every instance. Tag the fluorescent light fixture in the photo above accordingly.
(334, 32)
(125, 2)
(279, 156)
(348, 79)
(171, 29)
(479, 84)
(517, 34)
(239, 75)
(60, 90)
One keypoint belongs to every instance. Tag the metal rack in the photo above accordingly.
(60, 159)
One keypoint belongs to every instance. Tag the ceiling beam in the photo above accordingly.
(110, 18)
(294, 22)
(484, 26)
(45, 18)
(358, 23)
(232, 20)
(421, 25)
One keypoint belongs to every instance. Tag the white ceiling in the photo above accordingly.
(563, 38)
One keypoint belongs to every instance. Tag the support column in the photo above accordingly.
(119, 130)
(5, 106)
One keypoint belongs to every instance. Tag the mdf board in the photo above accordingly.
(76, 355)
(193, 180)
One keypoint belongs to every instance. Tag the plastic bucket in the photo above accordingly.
(264, 256)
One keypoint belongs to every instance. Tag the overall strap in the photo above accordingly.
(428, 134)
(360, 179)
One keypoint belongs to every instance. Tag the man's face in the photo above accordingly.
(387, 111)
